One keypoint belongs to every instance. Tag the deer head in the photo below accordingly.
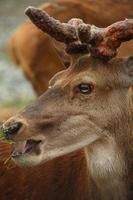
(88, 102)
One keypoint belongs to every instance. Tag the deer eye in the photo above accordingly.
(85, 88)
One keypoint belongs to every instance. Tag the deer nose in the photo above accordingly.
(10, 129)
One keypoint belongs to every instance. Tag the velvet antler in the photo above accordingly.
(84, 38)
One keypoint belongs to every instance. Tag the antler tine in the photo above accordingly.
(62, 32)
(105, 41)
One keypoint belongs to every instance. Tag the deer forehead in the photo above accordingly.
(88, 70)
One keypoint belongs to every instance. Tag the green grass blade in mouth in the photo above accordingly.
(3, 136)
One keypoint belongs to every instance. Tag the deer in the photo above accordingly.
(87, 106)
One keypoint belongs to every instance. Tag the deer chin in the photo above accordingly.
(37, 151)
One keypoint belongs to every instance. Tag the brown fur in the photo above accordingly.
(60, 179)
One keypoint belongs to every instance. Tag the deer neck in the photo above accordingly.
(109, 166)
(109, 160)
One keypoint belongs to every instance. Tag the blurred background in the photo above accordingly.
(15, 90)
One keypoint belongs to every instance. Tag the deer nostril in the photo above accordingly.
(12, 129)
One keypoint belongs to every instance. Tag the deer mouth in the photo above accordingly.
(26, 147)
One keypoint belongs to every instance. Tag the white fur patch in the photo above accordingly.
(107, 167)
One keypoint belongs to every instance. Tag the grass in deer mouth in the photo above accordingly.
(5, 149)
(3, 135)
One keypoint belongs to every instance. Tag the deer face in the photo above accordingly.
(80, 107)
(83, 103)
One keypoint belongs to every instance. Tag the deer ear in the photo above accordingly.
(65, 58)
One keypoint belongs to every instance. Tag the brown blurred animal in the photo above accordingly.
(33, 50)
(88, 105)
(65, 177)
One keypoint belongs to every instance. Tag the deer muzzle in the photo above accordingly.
(11, 128)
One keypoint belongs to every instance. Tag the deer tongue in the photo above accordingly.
(23, 147)
(19, 148)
